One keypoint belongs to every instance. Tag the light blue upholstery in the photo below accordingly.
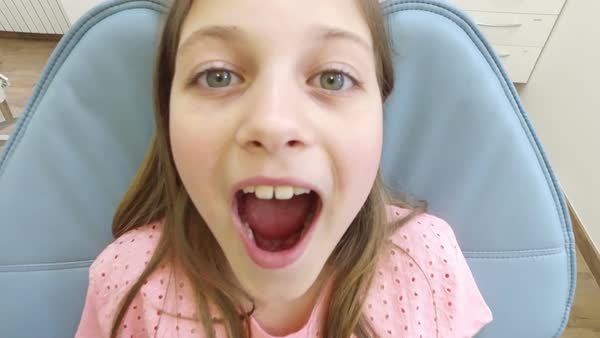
(455, 135)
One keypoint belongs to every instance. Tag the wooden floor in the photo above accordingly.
(23, 60)
(585, 314)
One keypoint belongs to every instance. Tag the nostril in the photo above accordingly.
(273, 146)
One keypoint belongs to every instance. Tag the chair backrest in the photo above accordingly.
(455, 135)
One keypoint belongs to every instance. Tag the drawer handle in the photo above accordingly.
(504, 55)
(500, 25)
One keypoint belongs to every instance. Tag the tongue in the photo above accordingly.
(275, 219)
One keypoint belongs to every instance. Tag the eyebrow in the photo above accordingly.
(327, 34)
(234, 34)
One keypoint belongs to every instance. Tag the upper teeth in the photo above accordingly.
(266, 192)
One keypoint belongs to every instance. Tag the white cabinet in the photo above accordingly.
(518, 61)
(552, 7)
(517, 29)
(74, 9)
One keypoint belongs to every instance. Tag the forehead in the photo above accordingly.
(276, 21)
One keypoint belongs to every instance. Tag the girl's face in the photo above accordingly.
(276, 93)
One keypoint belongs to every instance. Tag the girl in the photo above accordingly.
(259, 210)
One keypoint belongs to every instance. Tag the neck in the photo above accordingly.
(284, 318)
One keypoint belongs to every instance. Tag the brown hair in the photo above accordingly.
(157, 194)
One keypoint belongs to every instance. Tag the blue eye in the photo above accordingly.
(217, 78)
(334, 80)
(331, 80)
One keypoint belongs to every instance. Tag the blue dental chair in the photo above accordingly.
(455, 132)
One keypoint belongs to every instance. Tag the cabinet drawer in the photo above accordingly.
(512, 6)
(518, 61)
(515, 29)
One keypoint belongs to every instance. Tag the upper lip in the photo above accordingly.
(273, 181)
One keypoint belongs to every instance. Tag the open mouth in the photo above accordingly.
(276, 218)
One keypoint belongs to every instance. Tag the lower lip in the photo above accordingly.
(279, 259)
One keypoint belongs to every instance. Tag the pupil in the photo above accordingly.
(332, 81)
(220, 78)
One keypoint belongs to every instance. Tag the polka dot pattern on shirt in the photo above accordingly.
(419, 297)
(422, 288)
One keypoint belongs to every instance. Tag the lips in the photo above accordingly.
(275, 230)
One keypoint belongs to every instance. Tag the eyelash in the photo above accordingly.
(355, 82)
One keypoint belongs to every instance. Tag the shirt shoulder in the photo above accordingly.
(424, 237)
(165, 300)
(425, 277)
(116, 269)
(126, 257)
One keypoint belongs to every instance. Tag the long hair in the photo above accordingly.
(157, 195)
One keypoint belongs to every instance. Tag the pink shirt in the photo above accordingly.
(423, 290)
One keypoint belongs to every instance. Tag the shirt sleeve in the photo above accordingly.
(89, 325)
(467, 310)
(111, 275)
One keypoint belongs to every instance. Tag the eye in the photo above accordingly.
(334, 80)
(217, 78)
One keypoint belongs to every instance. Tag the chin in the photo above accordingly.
(273, 286)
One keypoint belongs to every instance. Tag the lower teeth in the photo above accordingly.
(309, 219)
(275, 244)
(293, 239)
(249, 231)
(303, 230)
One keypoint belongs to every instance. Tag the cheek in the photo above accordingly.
(195, 147)
(356, 158)
(360, 152)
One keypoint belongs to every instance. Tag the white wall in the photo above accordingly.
(563, 102)
(76, 8)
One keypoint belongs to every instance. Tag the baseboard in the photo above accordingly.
(30, 36)
(585, 244)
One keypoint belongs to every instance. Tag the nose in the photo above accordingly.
(273, 121)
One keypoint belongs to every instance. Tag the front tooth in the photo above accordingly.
(248, 190)
(264, 192)
(300, 191)
(284, 192)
